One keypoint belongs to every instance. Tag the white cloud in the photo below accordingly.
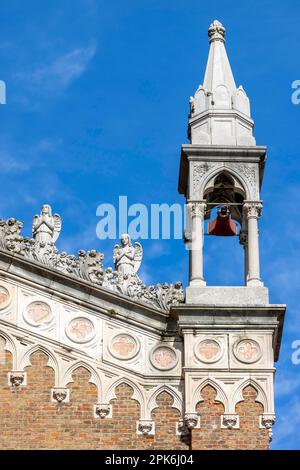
(62, 70)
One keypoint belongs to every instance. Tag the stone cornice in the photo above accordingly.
(218, 153)
(269, 317)
(82, 292)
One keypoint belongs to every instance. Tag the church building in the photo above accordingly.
(92, 358)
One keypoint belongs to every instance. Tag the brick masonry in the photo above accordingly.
(29, 420)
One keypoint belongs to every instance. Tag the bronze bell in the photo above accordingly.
(222, 226)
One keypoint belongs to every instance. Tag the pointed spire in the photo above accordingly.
(218, 70)
(219, 111)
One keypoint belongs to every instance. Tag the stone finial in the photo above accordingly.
(216, 32)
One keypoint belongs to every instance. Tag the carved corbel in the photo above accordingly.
(145, 427)
(103, 410)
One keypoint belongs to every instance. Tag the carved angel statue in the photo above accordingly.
(46, 227)
(127, 258)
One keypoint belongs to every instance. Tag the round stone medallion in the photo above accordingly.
(4, 297)
(80, 330)
(163, 357)
(38, 314)
(124, 346)
(208, 350)
(247, 350)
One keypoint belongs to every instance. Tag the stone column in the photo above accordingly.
(252, 212)
(197, 211)
(244, 242)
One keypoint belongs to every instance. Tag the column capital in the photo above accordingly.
(252, 209)
(197, 208)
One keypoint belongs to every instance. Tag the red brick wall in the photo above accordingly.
(29, 420)
(211, 436)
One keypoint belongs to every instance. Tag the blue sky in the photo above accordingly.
(97, 103)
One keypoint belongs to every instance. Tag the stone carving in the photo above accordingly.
(102, 410)
(247, 350)
(124, 346)
(268, 421)
(46, 227)
(163, 358)
(16, 379)
(191, 420)
(87, 265)
(246, 170)
(199, 170)
(60, 394)
(80, 330)
(208, 351)
(181, 429)
(197, 209)
(243, 238)
(252, 209)
(216, 31)
(145, 427)
(38, 314)
(10, 235)
(229, 421)
(127, 258)
(4, 297)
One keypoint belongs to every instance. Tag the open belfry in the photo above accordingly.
(92, 358)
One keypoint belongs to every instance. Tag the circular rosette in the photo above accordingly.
(80, 330)
(124, 346)
(38, 314)
(247, 351)
(163, 357)
(208, 350)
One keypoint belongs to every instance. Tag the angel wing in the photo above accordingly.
(115, 253)
(138, 255)
(57, 227)
(35, 219)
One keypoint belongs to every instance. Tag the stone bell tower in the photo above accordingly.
(231, 333)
